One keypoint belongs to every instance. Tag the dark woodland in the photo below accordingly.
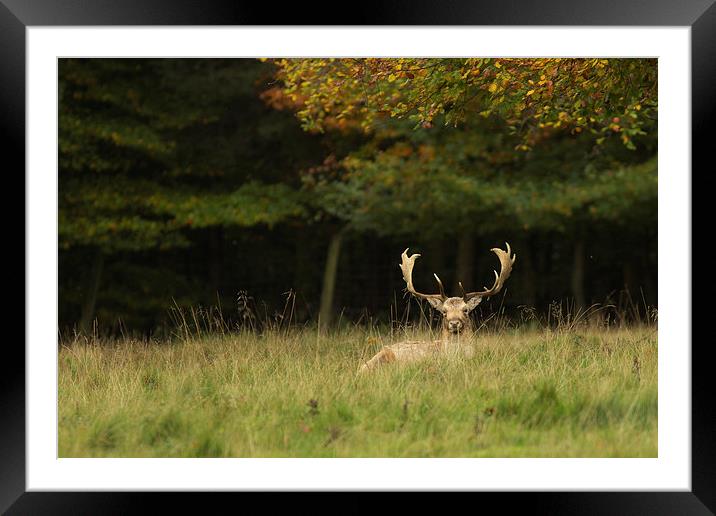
(219, 184)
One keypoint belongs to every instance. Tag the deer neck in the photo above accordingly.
(450, 337)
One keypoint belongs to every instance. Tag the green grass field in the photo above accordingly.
(524, 393)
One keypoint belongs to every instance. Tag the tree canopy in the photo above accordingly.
(442, 135)
(535, 97)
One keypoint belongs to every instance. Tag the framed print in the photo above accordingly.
(232, 220)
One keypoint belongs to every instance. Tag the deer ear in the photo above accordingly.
(472, 303)
(437, 304)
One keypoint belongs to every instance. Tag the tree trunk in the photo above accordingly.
(465, 266)
(651, 291)
(303, 287)
(649, 263)
(434, 261)
(216, 241)
(545, 258)
(628, 272)
(529, 292)
(329, 280)
(374, 286)
(578, 274)
(90, 297)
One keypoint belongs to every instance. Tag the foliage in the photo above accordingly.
(460, 172)
(535, 97)
(150, 214)
(149, 148)
(448, 181)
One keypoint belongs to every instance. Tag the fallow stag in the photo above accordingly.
(456, 324)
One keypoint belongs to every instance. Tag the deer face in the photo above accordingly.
(456, 310)
(456, 313)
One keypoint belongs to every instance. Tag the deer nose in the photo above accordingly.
(455, 325)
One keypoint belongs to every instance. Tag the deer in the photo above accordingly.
(456, 324)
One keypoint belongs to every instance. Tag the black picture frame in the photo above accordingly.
(17, 15)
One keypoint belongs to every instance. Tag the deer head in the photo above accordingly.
(456, 310)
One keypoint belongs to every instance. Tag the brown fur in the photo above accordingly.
(412, 350)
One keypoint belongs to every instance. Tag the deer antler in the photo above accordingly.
(406, 266)
(506, 262)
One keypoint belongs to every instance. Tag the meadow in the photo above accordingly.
(526, 392)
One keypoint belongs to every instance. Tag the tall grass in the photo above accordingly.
(575, 387)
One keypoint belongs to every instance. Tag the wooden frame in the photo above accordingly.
(16, 15)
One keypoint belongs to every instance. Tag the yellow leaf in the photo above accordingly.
(530, 92)
(493, 87)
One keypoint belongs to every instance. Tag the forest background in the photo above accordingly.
(243, 185)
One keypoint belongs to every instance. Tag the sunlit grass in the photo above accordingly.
(296, 394)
